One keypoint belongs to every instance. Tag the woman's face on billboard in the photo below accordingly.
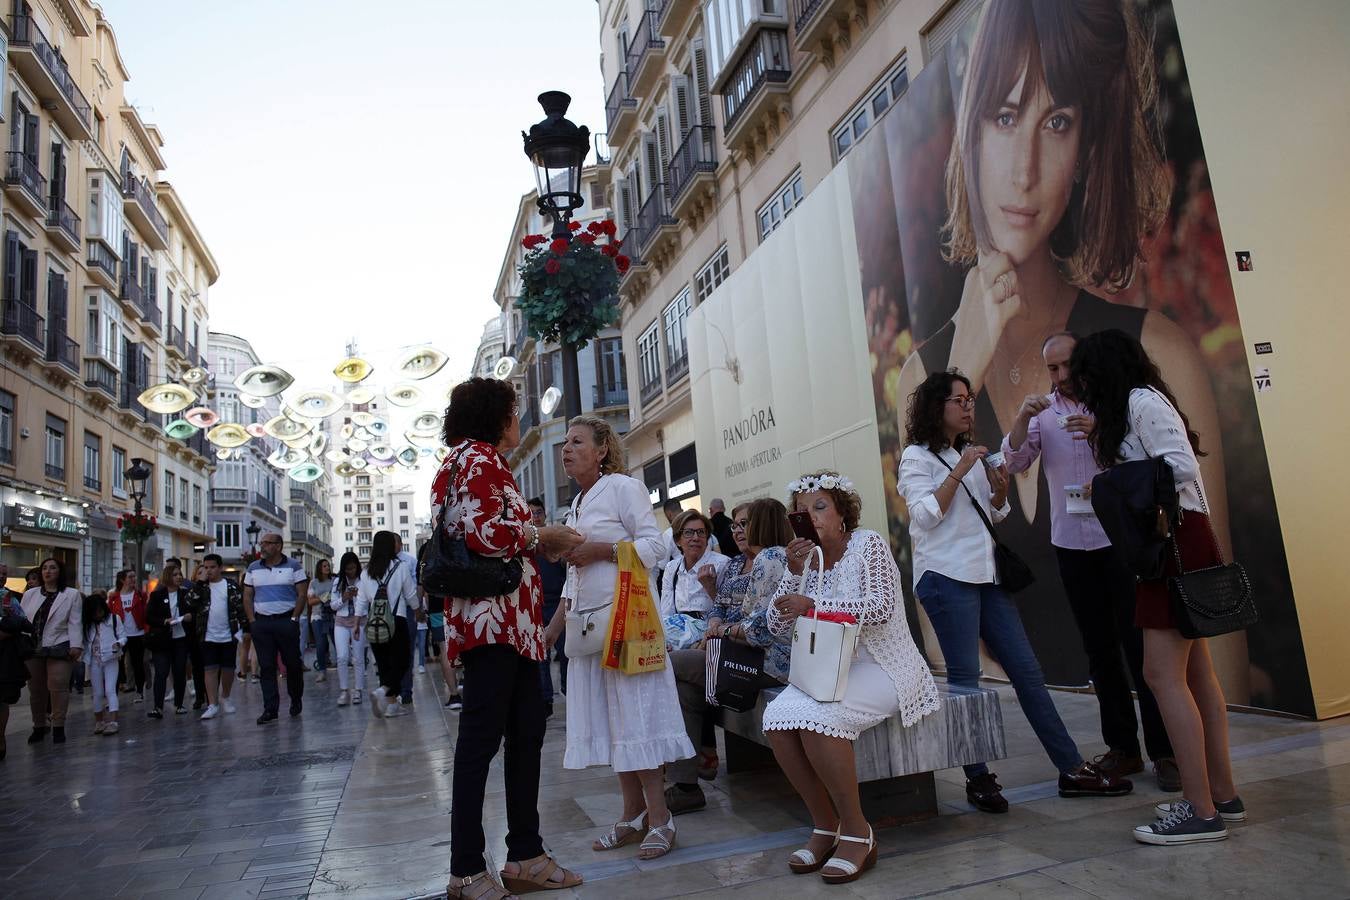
(1028, 157)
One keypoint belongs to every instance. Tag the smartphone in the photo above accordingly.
(803, 527)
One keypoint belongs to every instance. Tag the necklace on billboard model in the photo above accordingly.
(1015, 370)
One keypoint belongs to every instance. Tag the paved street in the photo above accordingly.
(336, 804)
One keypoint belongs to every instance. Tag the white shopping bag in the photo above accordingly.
(822, 652)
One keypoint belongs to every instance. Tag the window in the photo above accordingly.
(346, 507)
(364, 536)
(649, 357)
(196, 504)
(105, 330)
(379, 507)
(363, 479)
(227, 535)
(952, 21)
(56, 447)
(783, 202)
(403, 504)
(404, 534)
(350, 537)
(713, 273)
(379, 520)
(363, 522)
(104, 215)
(361, 508)
(403, 520)
(363, 494)
(677, 347)
(93, 461)
(119, 472)
(613, 380)
(683, 473)
(7, 428)
(654, 476)
(168, 493)
(879, 98)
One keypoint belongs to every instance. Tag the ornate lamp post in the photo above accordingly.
(253, 531)
(137, 476)
(557, 147)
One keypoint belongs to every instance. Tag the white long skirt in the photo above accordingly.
(630, 722)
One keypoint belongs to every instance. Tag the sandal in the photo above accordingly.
(851, 871)
(804, 862)
(612, 840)
(537, 875)
(657, 843)
(477, 887)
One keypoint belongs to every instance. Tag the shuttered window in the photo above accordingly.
(952, 21)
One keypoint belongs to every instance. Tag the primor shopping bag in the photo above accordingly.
(636, 642)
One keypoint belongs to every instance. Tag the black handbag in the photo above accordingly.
(1013, 573)
(735, 673)
(1211, 601)
(450, 569)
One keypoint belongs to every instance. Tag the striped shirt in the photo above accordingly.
(274, 586)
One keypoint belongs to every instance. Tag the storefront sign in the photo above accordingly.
(35, 518)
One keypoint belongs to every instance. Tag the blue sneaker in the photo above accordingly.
(1182, 826)
(1231, 810)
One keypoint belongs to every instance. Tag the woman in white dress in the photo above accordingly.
(813, 741)
(630, 722)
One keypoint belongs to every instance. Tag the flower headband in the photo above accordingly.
(808, 484)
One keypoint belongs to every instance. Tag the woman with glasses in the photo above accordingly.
(944, 477)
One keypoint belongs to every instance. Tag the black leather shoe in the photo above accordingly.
(37, 735)
(985, 793)
(1089, 781)
(295, 709)
(267, 718)
(58, 734)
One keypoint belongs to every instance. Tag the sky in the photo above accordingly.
(355, 168)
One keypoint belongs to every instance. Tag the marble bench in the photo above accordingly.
(895, 764)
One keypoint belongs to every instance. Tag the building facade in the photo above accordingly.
(722, 115)
(491, 347)
(309, 534)
(105, 280)
(537, 460)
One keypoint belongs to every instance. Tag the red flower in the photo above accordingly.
(553, 267)
(573, 226)
(152, 518)
(610, 228)
(610, 250)
(621, 263)
(586, 239)
(597, 227)
(559, 246)
(617, 244)
(119, 523)
(533, 240)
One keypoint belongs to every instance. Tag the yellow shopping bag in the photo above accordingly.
(636, 642)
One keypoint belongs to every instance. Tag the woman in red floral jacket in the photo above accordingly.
(500, 641)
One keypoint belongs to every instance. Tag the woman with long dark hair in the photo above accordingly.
(103, 638)
(1137, 417)
(127, 601)
(387, 574)
(944, 477)
(348, 629)
(170, 616)
(56, 611)
(320, 615)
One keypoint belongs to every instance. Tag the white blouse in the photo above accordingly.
(616, 508)
(954, 543)
(1156, 429)
(401, 589)
(681, 591)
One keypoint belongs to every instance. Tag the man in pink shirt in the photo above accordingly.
(1099, 586)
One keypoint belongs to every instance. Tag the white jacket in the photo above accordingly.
(107, 637)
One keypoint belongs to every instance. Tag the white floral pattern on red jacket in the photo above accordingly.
(486, 508)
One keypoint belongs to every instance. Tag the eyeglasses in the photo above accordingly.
(265, 543)
(965, 402)
(693, 533)
(740, 524)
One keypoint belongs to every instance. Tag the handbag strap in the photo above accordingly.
(973, 502)
(1199, 492)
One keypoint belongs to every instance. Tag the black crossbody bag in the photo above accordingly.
(1013, 573)
(451, 569)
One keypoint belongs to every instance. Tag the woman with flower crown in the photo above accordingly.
(813, 741)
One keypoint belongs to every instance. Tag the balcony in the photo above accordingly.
(658, 227)
(606, 396)
(821, 25)
(193, 356)
(91, 482)
(101, 264)
(126, 399)
(46, 72)
(54, 472)
(176, 342)
(28, 186)
(139, 205)
(650, 392)
(635, 278)
(675, 15)
(690, 174)
(678, 367)
(755, 94)
(646, 54)
(229, 496)
(101, 375)
(267, 506)
(620, 110)
(63, 351)
(200, 446)
(63, 226)
(22, 321)
(529, 415)
(603, 155)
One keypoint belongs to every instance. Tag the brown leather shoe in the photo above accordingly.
(985, 793)
(1113, 762)
(680, 801)
(1089, 781)
(1169, 776)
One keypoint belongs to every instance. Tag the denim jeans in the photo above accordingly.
(961, 614)
(320, 628)
(406, 684)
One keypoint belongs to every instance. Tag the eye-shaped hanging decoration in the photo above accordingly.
(381, 452)
(346, 432)
(228, 435)
(422, 440)
(315, 404)
(224, 453)
(382, 463)
(283, 429)
(256, 430)
(305, 472)
(264, 381)
(378, 429)
(300, 441)
(549, 402)
(353, 369)
(318, 444)
(408, 456)
(505, 368)
(364, 434)
(201, 417)
(442, 454)
(287, 457)
(362, 419)
(403, 394)
(180, 429)
(344, 470)
(194, 377)
(358, 463)
(360, 395)
(357, 445)
(426, 422)
(166, 398)
(421, 362)
(252, 402)
(338, 455)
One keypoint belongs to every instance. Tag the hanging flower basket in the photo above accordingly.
(137, 528)
(570, 285)
(249, 556)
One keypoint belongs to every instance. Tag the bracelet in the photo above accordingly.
(533, 539)
(952, 477)
(614, 553)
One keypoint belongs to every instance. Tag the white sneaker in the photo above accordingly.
(421, 670)
(377, 702)
(230, 707)
(98, 727)
(344, 697)
(394, 710)
(211, 712)
(110, 728)
(356, 698)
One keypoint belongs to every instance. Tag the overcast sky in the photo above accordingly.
(354, 167)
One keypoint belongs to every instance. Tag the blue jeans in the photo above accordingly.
(321, 629)
(405, 691)
(963, 613)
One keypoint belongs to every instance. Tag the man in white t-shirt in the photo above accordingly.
(223, 605)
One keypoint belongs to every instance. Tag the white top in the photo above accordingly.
(954, 543)
(129, 626)
(410, 563)
(1156, 430)
(616, 508)
(681, 591)
(401, 588)
(218, 617)
(865, 583)
(175, 613)
(104, 639)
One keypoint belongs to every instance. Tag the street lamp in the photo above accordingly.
(137, 476)
(557, 147)
(252, 531)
